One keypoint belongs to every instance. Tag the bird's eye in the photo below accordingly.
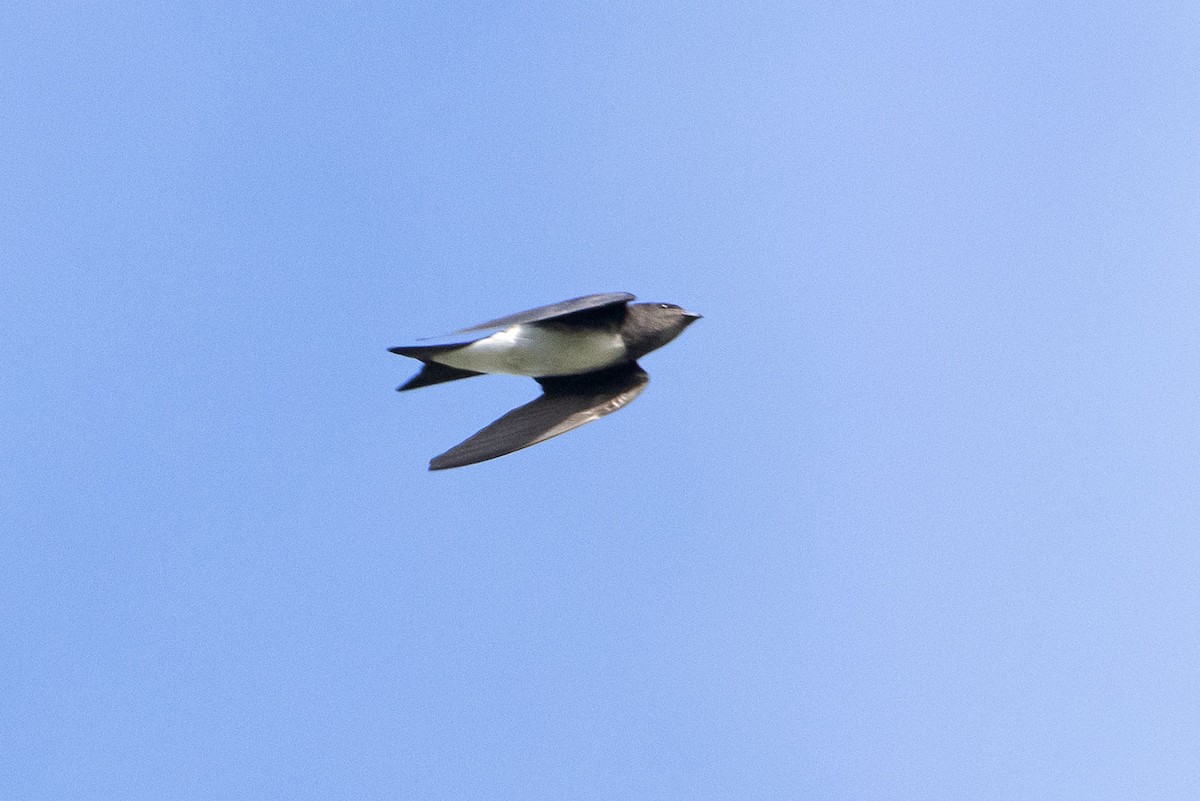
(665, 306)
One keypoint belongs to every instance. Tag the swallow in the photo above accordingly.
(582, 351)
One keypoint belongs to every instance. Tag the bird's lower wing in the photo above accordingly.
(566, 404)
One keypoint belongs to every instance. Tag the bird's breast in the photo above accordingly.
(535, 350)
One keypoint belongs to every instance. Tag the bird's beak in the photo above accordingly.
(692, 316)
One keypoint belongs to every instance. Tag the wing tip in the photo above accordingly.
(448, 461)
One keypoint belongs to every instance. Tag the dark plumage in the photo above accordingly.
(582, 351)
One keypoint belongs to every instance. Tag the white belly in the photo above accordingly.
(538, 351)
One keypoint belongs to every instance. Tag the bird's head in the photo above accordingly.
(649, 326)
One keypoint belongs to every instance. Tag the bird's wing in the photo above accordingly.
(608, 302)
(566, 403)
(590, 309)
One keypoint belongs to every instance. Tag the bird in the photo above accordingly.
(583, 352)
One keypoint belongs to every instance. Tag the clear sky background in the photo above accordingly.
(912, 513)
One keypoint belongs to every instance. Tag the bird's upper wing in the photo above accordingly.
(567, 403)
(608, 301)
(593, 309)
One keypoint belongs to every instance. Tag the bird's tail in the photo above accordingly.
(434, 373)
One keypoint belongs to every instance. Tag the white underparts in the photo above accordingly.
(538, 351)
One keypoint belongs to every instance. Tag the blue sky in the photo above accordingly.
(911, 514)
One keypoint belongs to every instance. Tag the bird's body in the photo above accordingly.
(582, 351)
(539, 349)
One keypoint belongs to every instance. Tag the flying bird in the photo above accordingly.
(582, 351)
